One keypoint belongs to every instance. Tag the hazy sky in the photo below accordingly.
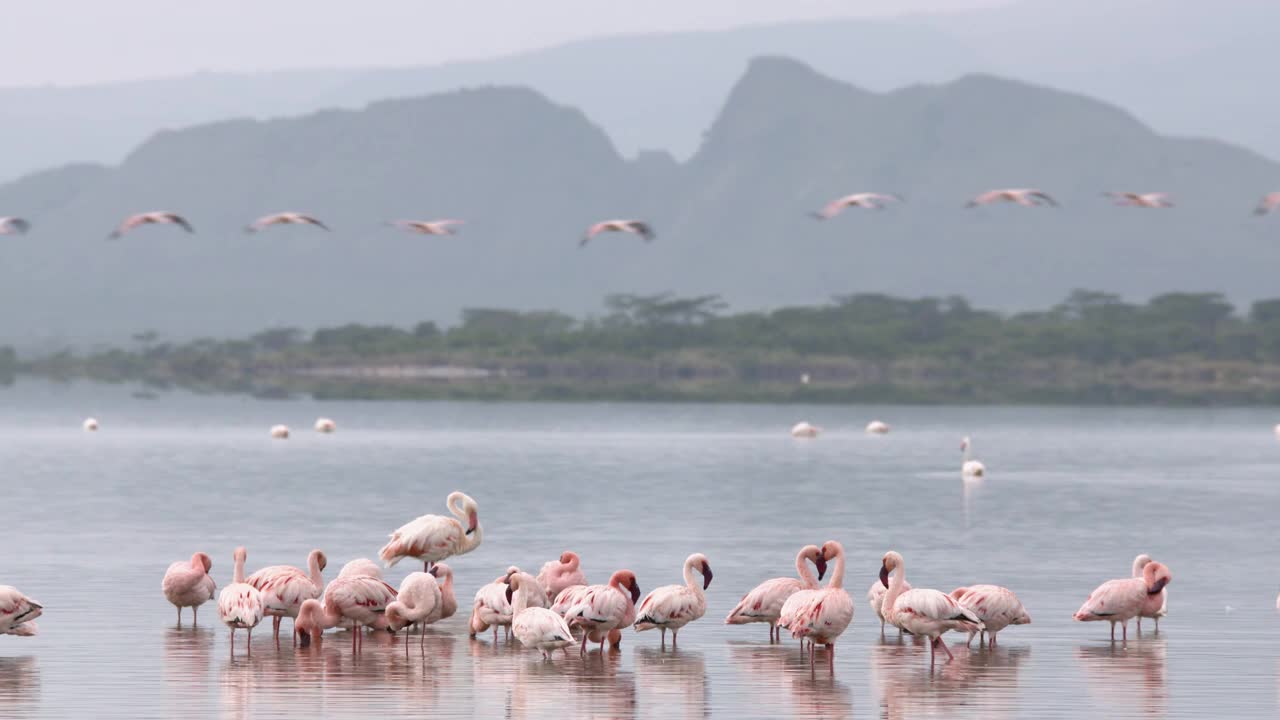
(85, 41)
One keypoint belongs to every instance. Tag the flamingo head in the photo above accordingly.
(964, 444)
(568, 557)
(515, 581)
(831, 549)
(441, 572)
(813, 554)
(202, 560)
(699, 562)
(625, 579)
(395, 617)
(322, 561)
(1156, 576)
(241, 555)
(1023, 619)
(310, 621)
(892, 561)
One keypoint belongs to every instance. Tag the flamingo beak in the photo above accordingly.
(510, 592)
(433, 572)
(884, 575)
(821, 563)
(635, 591)
(474, 523)
(304, 638)
(706, 576)
(1158, 586)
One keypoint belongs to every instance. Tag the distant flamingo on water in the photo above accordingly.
(284, 218)
(635, 227)
(1268, 204)
(18, 613)
(240, 604)
(10, 225)
(1152, 609)
(1027, 197)
(671, 607)
(187, 584)
(1141, 200)
(432, 538)
(997, 607)
(600, 609)
(968, 466)
(805, 430)
(764, 602)
(284, 588)
(556, 575)
(429, 227)
(157, 217)
(1119, 601)
(869, 200)
(533, 624)
(923, 612)
(417, 602)
(823, 615)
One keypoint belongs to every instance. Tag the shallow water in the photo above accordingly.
(90, 521)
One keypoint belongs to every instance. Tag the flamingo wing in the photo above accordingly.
(283, 588)
(764, 602)
(1114, 599)
(670, 605)
(240, 605)
(17, 609)
(428, 538)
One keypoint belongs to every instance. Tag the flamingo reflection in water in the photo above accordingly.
(781, 684)
(907, 689)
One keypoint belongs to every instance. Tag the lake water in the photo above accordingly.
(91, 521)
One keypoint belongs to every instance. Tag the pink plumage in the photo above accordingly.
(821, 616)
(556, 575)
(600, 609)
(764, 602)
(432, 538)
(1119, 601)
(284, 587)
(18, 613)
(240, 604)
(997, 607)
(921, 611)
(671, 607)
(187, 584)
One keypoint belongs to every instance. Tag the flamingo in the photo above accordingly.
(283, 218)
(325, 425)
(358, 600)
(310, 623)
(997, 607)
(432, 538)
(1269, 203)
(824, 614)
(491, 607)
(280, 432)
(805, 430)
(968, 466)
(870, 200)
(556, 575)
(875, 598)
(429, 227)
(1118, 601)
(18, 613)
(635, 227)
(417, 602)
(877, 427)
(764, 602)
(599, 609)
(1141, 200)
(284, 588)
(671, 607)
(1155, 613)
(240, 604)
(361, 566)
(924, 612)
(534, 625)
(10, 225)
(448, 601)
(187, 584)
(91, 425)
(157, 217)
(1027, 197)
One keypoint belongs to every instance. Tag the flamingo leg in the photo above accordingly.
(933, 649)
(1124, 631)
(1113, 631)
(674, 633)
(233, 643)
(248, 645)
(664, 636)
(195, 612)
(945, 649)
(811, 654)
(583, 652)
(1157, 625)
(991, 642)
(1139, 624)
(831, 657)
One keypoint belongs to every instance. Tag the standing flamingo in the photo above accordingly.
(1119, 601)
(310, 623)
(284, 588)
(187, 584)
(18, 613)
(997, 607)
(157, 217)
(432, 538)
(870, 200)
(875, 598)
(10, 225)
(1141, 200)
(764, 602)
(572, 595)
(1268, 204)
(555, 575)
(825, 613)
(429, 227)
(671, 607)
(417, 602)
(283, 218)
(599, 609)
(534, 625)
(358, 600)
(1027, 197)
(968, 466)
(1149, 611)
(924, 612)
(491, 607)
(635, 227)
(805, 430)
(448, 601)
(91, 425)
(240, 604)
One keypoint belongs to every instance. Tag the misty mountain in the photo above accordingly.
(529, 175)
(1187, 68)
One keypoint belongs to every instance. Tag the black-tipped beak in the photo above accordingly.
(510, 592)
(434, 572)
(884, 575)
(821, 564)
(635, 592)
(304, 638)
(706, 576)
(1157, 586)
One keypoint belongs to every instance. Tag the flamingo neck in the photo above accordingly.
(197, 562)
(472, 541)
(837, 573)
(895, 587)
(238, 576)
(519, 600)
(967, 454)
(317, 576)
(806, 575)
(1139, 563)
(570, 566)
(694, 583)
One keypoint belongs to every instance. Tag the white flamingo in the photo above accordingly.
(671, 607)
(284, 218)
(878, 427)
(284, 588)
(280, 432)
(240, 604)
(429, 227)
(325, 425)
(418, 601)
(1027, 197)
(156, 217)
(875, 598)
(970, 467)
(1139, 563)
(432, 538)
(919, 611)
(635, 227)
(869, 200)
(1141, 200)
(361, 566)
(531, 622)
(10, 225)
(91, 425)
(1268, 204)
(805, 430)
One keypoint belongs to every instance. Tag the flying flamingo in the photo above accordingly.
(1269, 203)
(1148, 610)
(187, 584)
(671, 607)
(534, 625)
(1027, 197)
(635, 227)
(240, 604)
(1141, 200)
(283, 218)
(432, 538)
(870, 200)
(157, 217)
(10, 225)
(1119, 601)
(805, 430)
(284, 588)
(18, 613)
(968, 466)
(556, 575)
(764, 602)
(923, 612)
(875, 598)
(599, 609)
(825, 613)
(417, 602)
(997, 607)
(360, 601)
(429, 227)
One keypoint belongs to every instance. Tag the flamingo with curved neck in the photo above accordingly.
(187, 584)
(922, 611)
(240, 604)
(432, 538)
(1152, 609)
(555, 576)
(533, 625)
(284, 588)
(764, 603)
(671, 607)
(823, 615)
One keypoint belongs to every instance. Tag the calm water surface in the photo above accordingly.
(90, 521)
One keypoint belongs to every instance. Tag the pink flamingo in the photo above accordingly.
(534, 625)
(284, 218)
(360, 601)
(599, 609)
(285, 587)
(1141, 200)
(1268, 204)
(875, 598)
(671, 607)
(361, 566)
(448, 601)
(157, 217)
(1149, 610)
(827, 612)
(240, 604)
(869, 200)
(924, 612)
(18, 613)
(429, 227)
(310, 623)
(1119, 601)
(997, 607)
(432, 538)
(187, 584)
(555, 575)
(10, 225)
(417, 602)
(764, 602)
(573, 594)
(1027, 197)
(491, 608)
(635, 227)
